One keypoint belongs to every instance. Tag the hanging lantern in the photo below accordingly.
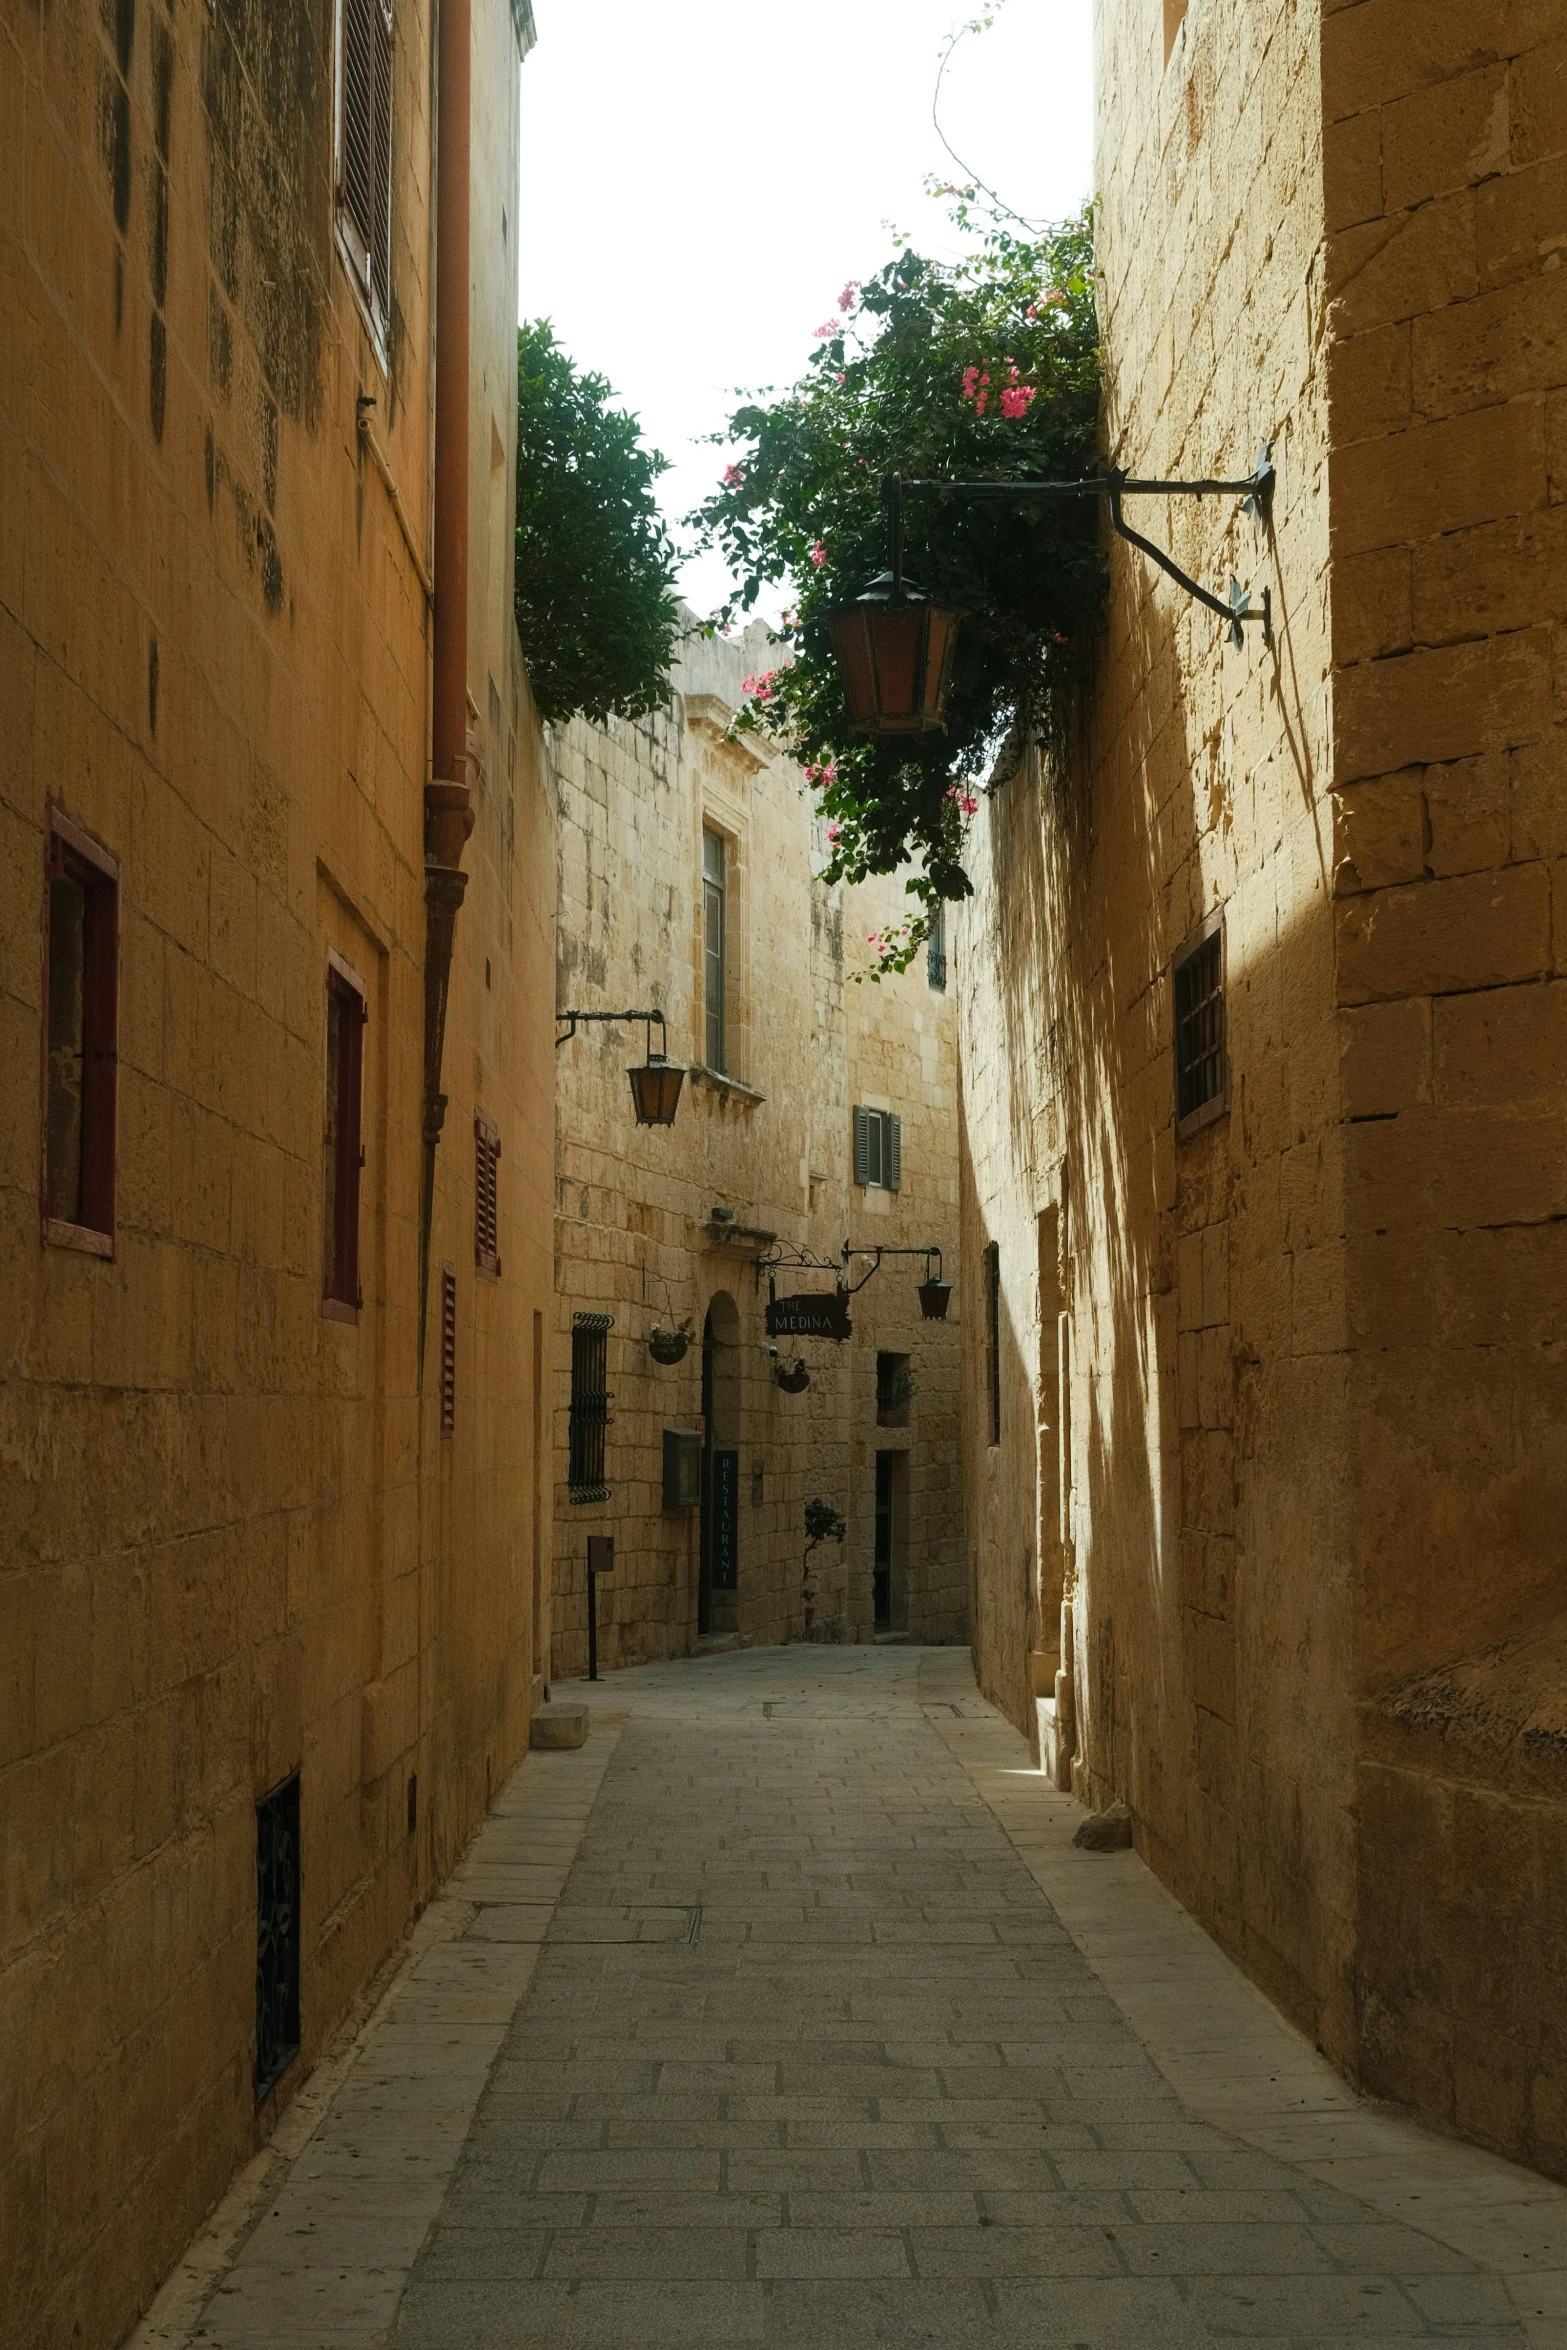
(894, 652)
(934, 1297)
(655, 1090)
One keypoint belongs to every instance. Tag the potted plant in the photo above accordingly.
(793, 1377)
(669, 1346)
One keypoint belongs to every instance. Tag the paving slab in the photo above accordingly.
(785, 2012)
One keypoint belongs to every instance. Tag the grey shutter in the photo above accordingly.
(892, 1153)
(862, 1145)
(358, 103)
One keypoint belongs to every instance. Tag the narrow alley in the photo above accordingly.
(785, 2011)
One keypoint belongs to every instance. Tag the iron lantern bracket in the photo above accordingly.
(610, 1018)
(876, 1255)
(1255, 493)
(788, 1255)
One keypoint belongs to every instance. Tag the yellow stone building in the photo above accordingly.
(1261, 1004)
(274, 1577)
(687, 864)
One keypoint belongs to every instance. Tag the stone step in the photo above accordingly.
(564, 1722)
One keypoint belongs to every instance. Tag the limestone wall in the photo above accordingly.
(1446, 182)
(1193, 1289)
(233, 1542)
(768, 1143)
(1312, 1418)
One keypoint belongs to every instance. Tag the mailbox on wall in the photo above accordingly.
(682, 1468)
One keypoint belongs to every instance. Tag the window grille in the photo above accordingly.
(486, 1226)
(1201, 1060)
(342, 1148)
(936, 951)
(365, 149)
(993, 1335)
(277, 1933)
(80, 1038)
(878, 1149)
(714, 944)
(448, 1349)
(590, 1398)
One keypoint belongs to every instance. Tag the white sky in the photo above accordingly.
(699, 178)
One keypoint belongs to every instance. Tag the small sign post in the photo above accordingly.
(601, 1561)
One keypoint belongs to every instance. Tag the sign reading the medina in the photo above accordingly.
(821, 1313)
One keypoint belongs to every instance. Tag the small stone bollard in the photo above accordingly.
(558, 1725)
(1106, 1831)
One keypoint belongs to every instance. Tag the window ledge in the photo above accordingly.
(59, 1234)
(338, 1309)
(722, 1084)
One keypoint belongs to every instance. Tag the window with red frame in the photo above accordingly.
(80, 1024)
(343, 1149)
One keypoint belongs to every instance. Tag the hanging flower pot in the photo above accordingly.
(669, 1346)
(793, 1378)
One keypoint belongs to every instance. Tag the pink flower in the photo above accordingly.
(1015, 400)
(846, 298)
(840, 379)
(979, 405)
(1060, 639)
(759, 688)
(828, 327)
(970, 382)
(818, 554)
(733, 476)
(833, 830)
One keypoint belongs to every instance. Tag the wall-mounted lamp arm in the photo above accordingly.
(876, 1255)
(610, 1018)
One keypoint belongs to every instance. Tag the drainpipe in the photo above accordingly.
(448, 799)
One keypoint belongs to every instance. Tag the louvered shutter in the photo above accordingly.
(357, 164)
(862, 1145)
(486, 1219)
(380, 240)
(448, 1349)
(892, 1153)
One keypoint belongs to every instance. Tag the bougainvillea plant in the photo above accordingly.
(981, 369)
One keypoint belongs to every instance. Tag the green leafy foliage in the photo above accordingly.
(986, 368)
(595, 601)
(823, 1524)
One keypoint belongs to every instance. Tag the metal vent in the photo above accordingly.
(486, 1227)
(448, 1349)
(590, 1399)
(1201, 1071)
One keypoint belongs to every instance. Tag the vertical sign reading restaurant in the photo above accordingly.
(726, 1521)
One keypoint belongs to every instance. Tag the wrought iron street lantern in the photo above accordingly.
(894, 646)
(656, 1083)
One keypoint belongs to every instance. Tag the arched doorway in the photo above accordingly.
(718, 1589)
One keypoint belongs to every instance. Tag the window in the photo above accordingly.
(364, 152)
(1201, 1062)
(895, 1387)
(342, 1148)
(448, 1349)
(277, 1933)
(80, 1039)
(1174, 17)
(714, 891)
(936, 950)
(486, 1228)
(589, 1405)
(993, 1336)
(878, 1149)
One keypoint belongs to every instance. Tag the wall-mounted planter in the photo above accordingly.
(668, 1346)
(793, 1378)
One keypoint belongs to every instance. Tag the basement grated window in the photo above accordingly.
(277, 1933)
(590, 1399)
(1201, 1059)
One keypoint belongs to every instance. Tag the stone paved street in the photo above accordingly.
(785, 2013)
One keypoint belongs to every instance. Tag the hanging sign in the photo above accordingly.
(820, 1313)
(726, 1521)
